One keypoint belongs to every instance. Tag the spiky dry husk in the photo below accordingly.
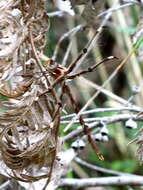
(28, 140)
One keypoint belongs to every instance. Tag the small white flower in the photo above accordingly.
(130, 124)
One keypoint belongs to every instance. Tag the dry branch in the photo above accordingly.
(102, 181)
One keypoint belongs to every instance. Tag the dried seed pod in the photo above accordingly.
(98, 137)
(105, 138)
(130, 124)
(104, 131)
(78, 145)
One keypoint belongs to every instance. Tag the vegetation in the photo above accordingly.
(71, 94)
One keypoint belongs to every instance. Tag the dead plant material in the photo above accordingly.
(30, 120)
(28, 133)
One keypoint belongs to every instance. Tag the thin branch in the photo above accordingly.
(67, 54)
(108, 120)
(103, 181)
(100, 169)
(117, 8)
(70, 33)
(38, 61)
(133, 1)
(115, 118)
(4, 185)
(103, 110)
(56, 13)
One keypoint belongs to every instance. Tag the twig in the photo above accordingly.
(103, 181)
(100, 169)
(115, 118)
(133, 1)
(71, 32)
(117, 8)
(67, 54)
(4, 185)
(108, 120)
(56, 13)
(103, 110)
(40, 65)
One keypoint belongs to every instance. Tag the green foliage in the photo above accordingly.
(127, 165)
(138, 44)
(3, 98)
